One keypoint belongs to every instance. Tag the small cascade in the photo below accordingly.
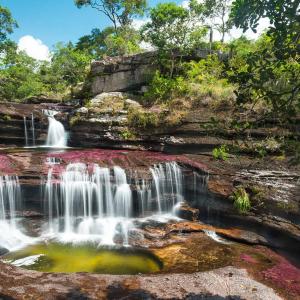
(11, 237)
(96, 203)
(25, 131)
(94, 206)
(168, 180)
(56, 136)
(33, 130)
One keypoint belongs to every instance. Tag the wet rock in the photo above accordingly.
(243, 236)
(223, 282)
(184, 211)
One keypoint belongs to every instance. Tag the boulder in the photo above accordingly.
(122, 73)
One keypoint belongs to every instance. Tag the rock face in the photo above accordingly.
(229, 283)
(122, 73)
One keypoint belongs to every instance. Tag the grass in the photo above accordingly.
(241, 200)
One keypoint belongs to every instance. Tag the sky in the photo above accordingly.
(43, 23)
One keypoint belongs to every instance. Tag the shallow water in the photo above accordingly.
(66, 258)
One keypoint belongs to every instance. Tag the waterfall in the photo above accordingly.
(25, 131)
(97, 203)
(33, 130)
(167, 180)
(11, 237)
(56, 136)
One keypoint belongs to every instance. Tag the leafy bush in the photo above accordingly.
(241, 200)
(220, 153)
(207, 70)
(164, 88)
(140, 119)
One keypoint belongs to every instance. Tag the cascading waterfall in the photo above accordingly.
(33, 130)
(27, 139)
(56, 136)
(11, 237)
(25, 131)
(168, 185)
(96, 203)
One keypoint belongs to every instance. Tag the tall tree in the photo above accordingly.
(172, 30)
(284, 21)
(120, 12)
(218, 11)
(94, 43)
(7, 25)
(272, 71)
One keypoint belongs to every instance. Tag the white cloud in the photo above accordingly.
(34, 48)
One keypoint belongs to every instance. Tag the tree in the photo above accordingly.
(284, 21)
(271, 73)
(120, 12)
(67, 68)
(94, 43)
(172, 30)
(19, 76)
(7, 24)
(108, 42)
(125, 42)
(219, 10)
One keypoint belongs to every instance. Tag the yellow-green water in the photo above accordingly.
(87, 258)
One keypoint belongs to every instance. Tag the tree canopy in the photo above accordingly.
(120, 12)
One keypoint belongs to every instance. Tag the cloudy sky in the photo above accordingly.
(44, 23)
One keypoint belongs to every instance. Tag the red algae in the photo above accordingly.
(5, 164)
(248, 258)
(123, 158)
(283, 274)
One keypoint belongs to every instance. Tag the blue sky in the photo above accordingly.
(55, 20)
(43, 23)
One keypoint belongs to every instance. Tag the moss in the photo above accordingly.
(127, 134)
(74, 120)
(6, 118)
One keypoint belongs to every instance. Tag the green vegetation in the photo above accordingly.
(241, 200)
(220, 153)
(143, 120)
(259, 79)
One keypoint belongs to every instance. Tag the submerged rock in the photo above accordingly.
(184, 211)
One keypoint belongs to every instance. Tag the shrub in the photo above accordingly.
(140, 119)
(164, 88)
(220, 153)
(127, 134)
(241, 200)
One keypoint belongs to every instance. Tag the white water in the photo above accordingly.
(33, 130)
(25, 131)
(11, 237)
(92, 203)
(98, 204)
(213, 235)
(57, 136)
(27, 139)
